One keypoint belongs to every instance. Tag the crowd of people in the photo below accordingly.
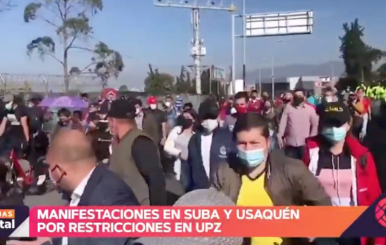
(256, 150)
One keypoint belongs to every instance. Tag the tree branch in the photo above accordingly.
(53, 56)
(82, 48)
(59, 9)
(71, 43)
(49, 22)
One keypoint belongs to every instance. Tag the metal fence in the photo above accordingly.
(46, 82)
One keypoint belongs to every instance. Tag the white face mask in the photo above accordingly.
(8, 106)
(153, 106)
(167, 103)
(137, 111)
(210, 124)
(233, 110)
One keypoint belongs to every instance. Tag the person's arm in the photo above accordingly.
(24, 124)
(312, 192)
(283, 122)
(169, 146)
(314, 122)
(3, 126)
(358, 106)
(146, 157)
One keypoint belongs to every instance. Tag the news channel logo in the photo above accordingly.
(380, 212)
(14, 221)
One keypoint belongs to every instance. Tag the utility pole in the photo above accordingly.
(198, 50)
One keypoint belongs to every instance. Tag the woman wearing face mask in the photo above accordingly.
(342, 165)
(258, 177)
(176, 144)
(208, 147)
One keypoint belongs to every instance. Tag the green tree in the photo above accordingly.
(183, 81)
(157, 83)
(71, 21)
(123, 88)
(358, 57)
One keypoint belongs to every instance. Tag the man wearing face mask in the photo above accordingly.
(343, 166)
(136, 157)
(209, 147)
(258, 177)
(255, 103)
(241, 102)
(146, 121)
(298, 122)
(171, 113)
(159, 117)
(73, 168)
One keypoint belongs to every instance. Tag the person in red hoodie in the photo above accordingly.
(344, 167)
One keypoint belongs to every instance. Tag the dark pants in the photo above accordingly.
(296, 152)
(357, 126)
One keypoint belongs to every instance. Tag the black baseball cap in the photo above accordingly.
(122, 109)
(334, 114)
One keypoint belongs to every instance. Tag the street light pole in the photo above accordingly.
(244, 45)
(198, 50)
(273, 76)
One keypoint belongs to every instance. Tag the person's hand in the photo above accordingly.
(39, 241)
(280, 142)
(362, 135)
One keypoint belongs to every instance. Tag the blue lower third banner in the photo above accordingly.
(14, 221)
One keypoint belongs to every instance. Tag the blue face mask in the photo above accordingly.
(252, 158)
(334, 135)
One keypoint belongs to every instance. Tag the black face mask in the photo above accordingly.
(298, 100)
(185, 123)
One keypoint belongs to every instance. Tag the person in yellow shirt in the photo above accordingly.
(258, 177)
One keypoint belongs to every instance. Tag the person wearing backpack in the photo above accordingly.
(343, 166)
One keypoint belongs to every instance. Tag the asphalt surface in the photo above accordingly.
(52, 198)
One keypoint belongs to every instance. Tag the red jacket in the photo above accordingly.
(367, 184)
(255, 106)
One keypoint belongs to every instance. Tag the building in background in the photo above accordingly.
(308, 83)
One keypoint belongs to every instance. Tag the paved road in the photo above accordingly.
(49, 199)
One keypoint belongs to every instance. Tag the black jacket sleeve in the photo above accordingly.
(147, 159)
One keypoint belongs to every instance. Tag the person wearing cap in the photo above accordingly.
(159, 117)
(135, 158)
(208, 147)
(146, 121)
(343, 166)
(14, 125)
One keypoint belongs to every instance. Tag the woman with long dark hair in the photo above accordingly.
(176, 144)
